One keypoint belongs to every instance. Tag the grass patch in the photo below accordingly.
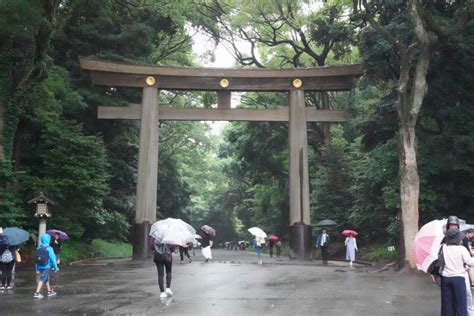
(75, 250)
(381, 253)
(112, 249)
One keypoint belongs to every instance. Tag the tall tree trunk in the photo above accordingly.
(409, 190)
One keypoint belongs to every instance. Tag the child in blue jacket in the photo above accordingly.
(43, 270)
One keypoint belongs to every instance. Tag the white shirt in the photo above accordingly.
(455, 257)
(323, 239)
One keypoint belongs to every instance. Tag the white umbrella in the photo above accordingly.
(257, 232)
(172, 231)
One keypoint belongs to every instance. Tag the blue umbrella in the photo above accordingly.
(16, 235)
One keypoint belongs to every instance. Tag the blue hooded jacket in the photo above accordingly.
(45, 239)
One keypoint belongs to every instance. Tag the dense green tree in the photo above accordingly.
(431, 23)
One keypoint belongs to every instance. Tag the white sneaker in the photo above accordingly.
(163, 295)
(168, 292)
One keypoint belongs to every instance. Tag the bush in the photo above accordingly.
(112, 249)
(76, 250)
(381, 253)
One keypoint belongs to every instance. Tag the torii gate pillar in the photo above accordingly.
(300, 229)
(147, 182)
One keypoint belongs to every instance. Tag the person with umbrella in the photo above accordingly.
(7, 260)
(322, 242)
(207, 232)
(454, 222)
(259, 241)
(351, 245)
(56, 242)
(271, 243)
(454, 275)
(10, 239)
(163, 259)
(165, 235)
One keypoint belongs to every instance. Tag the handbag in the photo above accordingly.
(17, 256)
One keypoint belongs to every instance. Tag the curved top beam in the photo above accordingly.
(88, 63)
(115, 74)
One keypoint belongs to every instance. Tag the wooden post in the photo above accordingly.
(223, 99)
(147, 182)
(300, 229)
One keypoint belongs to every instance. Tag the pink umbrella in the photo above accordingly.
(273, 237)
(347, 232)
(427, 243)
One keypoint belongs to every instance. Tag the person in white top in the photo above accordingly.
(453, 275)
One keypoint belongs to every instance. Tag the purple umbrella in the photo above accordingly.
(62, 235)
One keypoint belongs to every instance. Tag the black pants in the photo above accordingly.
(183, 251)
(270, 250)
(161, 266)
(324, 254)
(7, 272)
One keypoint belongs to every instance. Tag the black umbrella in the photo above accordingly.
(326, 222)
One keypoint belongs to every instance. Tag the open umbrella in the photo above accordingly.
(273, 237)
(465, 227)
(172, 231)
(427, 243)
(257, 232)
(208, 230)
(53, 232)
(326, 222)
(348, 232)
(16, 235)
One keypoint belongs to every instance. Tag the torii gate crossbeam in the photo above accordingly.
(152, 79)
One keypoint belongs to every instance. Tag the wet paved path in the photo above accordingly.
(230, 285)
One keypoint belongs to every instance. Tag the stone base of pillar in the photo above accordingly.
(301, 242)
(141, 250)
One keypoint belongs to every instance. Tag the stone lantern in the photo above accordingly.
(42, 211)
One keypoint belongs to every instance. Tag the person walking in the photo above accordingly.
(163, 259)
(271, 244)
(278, 248)
(259, 242)
(45, 259)
(183, 251)
(351, 248)
(7, 261)
(322, 242)
(56, 244)
(206, 244)
(454, 275)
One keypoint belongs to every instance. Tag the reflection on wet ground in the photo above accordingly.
(232, 284)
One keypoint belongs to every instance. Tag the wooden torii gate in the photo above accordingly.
(152, 79)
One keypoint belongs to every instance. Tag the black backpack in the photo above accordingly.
(438, 265)
(42, 256)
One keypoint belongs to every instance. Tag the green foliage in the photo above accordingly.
(112, 249)
(73, 250)
(380, 252)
